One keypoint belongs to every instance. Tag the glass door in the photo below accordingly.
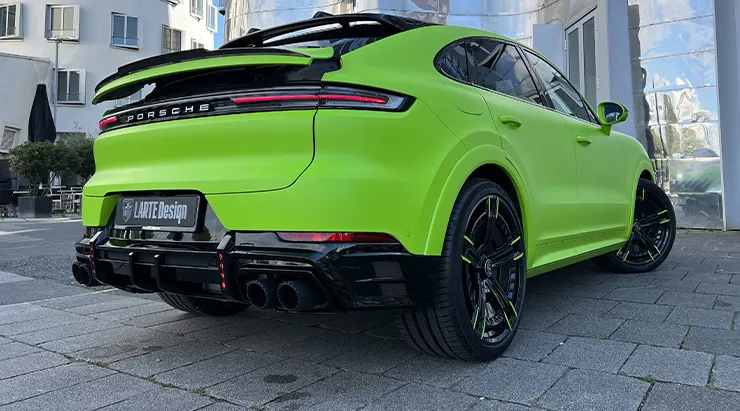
(580, 47)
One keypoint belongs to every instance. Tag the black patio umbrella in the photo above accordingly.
(41, 123)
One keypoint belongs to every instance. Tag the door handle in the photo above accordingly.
(583, 140)
(510, 120)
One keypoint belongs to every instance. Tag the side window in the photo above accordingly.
(564, 97)
(499, 67)
(452, 62)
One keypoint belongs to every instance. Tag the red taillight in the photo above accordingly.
(336, 237)
(329, 97)
(107, 121)
(274, 99)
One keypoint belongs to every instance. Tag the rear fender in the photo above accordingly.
(472, 160)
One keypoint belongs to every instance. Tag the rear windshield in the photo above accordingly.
(329, 35)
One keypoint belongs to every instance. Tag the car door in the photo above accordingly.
(537, 141)
(602, 183)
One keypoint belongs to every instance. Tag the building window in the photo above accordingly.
(171, 40)
(196, 8)
(9, 134)
(195, 45)
(63, 22)
(125, 31)
(129, 100)
(10, 21)
(71, 86)
(212, 20)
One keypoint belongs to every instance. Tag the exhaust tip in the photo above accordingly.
(298, 295)
(262, 293)
(83, 274)
(76, 272)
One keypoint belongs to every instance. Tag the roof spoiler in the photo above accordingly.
(393, 24)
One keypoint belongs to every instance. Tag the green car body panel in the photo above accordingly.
(388, 172)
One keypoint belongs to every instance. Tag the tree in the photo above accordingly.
(39, 163)
(79, 158)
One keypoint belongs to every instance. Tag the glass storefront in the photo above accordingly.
(672, 58)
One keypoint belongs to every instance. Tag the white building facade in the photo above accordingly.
(94, 38)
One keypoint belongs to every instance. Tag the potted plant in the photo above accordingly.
(39, 163)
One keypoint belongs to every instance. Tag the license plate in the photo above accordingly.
(176, 213)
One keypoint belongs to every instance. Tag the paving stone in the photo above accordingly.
(169, 358)
(669, 275)
(494, 405)
(386, 330)
(12, 278)
(277, 338)
(15, 349)
(14, 366)
(651, 333)
(110, 305)
(88, 396)
(61, 318)
(35, 290)
(267, 384)
(322, 347)
(231, 331)
(726, 373)
(735, 278)
(701, 317)
(728, 268)
(636, 295)
(628, 281)
(61, 332)
(713, 341)
(685, 285)
(194, 324)
(341, 391)
(435, 371)
(674, 397)
(587, 306)
(709, 277)
(224, 406)
(670, 365)
(727, 303)
(543, 301)
(525, 381)
(413, 397)
(639, 311)
(376, 358)
(24, 312)
(156, 318)
(47, 380)
(533, 345)
(358, 322)
(590, 390)
(539, 320)
(687, 299)
(216, 370)
(592, 354)
(130, 312)
(716, 288)
(82, 300)
(586, 326)
(307, 319)
(4, 340)
(161, 399)
(587, 290)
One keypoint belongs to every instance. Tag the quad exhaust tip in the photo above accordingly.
(262, 293)
(82, 273)
(299, 295)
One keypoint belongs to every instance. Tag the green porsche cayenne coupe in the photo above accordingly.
(364, 161)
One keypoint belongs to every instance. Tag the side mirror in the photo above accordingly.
(611, 113)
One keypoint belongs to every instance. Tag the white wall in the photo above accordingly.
(19, 77)
(93, 52)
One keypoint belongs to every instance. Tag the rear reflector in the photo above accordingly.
(107, 121)
(337, 237)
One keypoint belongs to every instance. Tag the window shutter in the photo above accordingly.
(83, 86)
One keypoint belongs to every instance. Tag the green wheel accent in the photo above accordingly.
(667, 220)
(467, 260)
(643, 194)
(507, 320)
(513, 308)
(625, 256)
(518, 256)
(475, 321)
(483, 331)
(663, 212)
(516, 240)
(497, 205)
(656, 248)
(469, 240)
(651, 256)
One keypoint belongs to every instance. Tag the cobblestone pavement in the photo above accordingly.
(589, 340)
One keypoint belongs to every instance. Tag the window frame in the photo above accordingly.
(212, 10)
(125, 31)
(171, 29)
(194, 44)
(75, 22)
(15, 130)
(438, 59)
(18, 21)
(80, 91)
(194, 9)
(546, 98)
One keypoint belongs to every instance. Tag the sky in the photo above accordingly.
(219, 36)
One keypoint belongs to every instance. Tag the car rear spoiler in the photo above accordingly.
(132, 77)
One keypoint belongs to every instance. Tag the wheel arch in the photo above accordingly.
(488, 162)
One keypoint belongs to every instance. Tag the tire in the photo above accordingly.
(452, 326)
(202, 306)
(652, 236)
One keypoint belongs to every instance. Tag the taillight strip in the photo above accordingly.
(333, 97)
(107, 121)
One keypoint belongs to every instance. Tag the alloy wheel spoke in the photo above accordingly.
(492, 214)
(471, 256)
(504, 255)
(653, 219)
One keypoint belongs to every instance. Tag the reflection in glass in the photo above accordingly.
(574, 57)
(589, 61)
(674, 72)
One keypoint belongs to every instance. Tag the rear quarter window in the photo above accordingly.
(452, 61)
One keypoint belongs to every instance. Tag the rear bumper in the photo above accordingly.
(350, 276)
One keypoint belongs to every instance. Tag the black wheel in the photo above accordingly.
(653, 233)
(480, 286)
(202, 306)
